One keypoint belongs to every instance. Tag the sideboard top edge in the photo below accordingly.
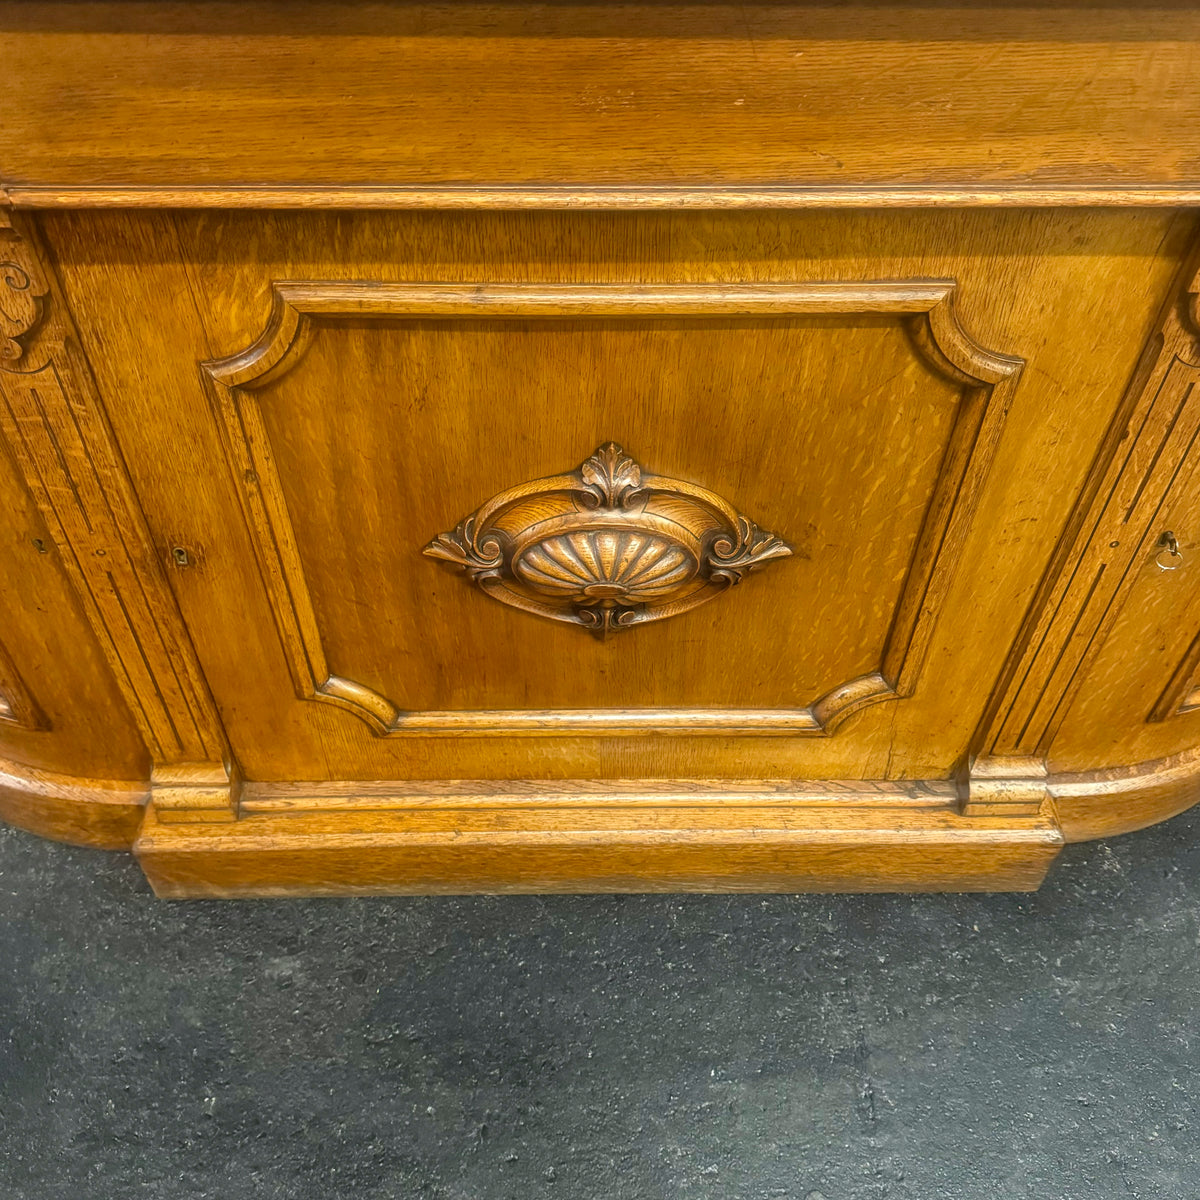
(610, 198)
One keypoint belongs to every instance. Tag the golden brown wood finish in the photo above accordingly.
(606, 547)
(301, 393)
(310, 283)
(1096, 804)
(54, 665)
(1120, 543)
(87, 812)
(639, 199)
(701, 837)
(1182, 693)
(104, 97)
(56, 430)
(17, 705)
(1116, 527)
(927, 328)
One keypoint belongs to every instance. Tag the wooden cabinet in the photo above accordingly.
(485, 478)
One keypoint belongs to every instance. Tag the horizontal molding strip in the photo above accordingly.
(420, 795)
(586, 197)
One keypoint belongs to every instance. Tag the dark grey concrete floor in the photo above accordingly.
(603, 1048)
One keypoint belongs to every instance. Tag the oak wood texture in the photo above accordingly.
(404, 380)
(997, 784)
(929, 331)
(108, 815)
(1182, 693)
(624, 199)
(55, 663)
(57, 432)
(288, 291)
(1116, 529)
(961, 100)
(627, 840)
(17, 705)
(105, 813)
(204, 791)
(1105, 803)
(606, 547)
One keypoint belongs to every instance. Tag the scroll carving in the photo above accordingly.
(22, 303)
(606, 547)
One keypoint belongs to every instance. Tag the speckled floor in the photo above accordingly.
(602, 1048)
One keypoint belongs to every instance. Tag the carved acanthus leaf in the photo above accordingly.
(477, 557)
(731, 558)
(612, 477)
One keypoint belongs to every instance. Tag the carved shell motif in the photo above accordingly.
(607, 546)
(606, 564)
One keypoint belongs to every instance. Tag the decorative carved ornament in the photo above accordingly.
(607, 547)
(21, 310)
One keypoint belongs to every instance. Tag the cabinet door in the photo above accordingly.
(374, 428)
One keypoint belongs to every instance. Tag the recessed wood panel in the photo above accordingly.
(859, 419)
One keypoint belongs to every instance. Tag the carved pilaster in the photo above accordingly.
(54, 423)
(1114, 529)
(713, 547)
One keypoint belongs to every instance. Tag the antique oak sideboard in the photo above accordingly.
(590, 447)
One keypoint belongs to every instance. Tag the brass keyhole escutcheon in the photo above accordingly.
(1169, 557)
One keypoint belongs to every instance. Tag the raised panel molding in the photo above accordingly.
(1113, 531)
(54, 423)
(926, 308)
(17, 705)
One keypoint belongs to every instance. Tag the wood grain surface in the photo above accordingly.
(101, 97)
(102, 813)
(830, 428)
(525, 846)
(903, 296)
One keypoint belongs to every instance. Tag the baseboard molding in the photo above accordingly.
(1117, 800)
(362, 837)
(615, 836)
(66, 808)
